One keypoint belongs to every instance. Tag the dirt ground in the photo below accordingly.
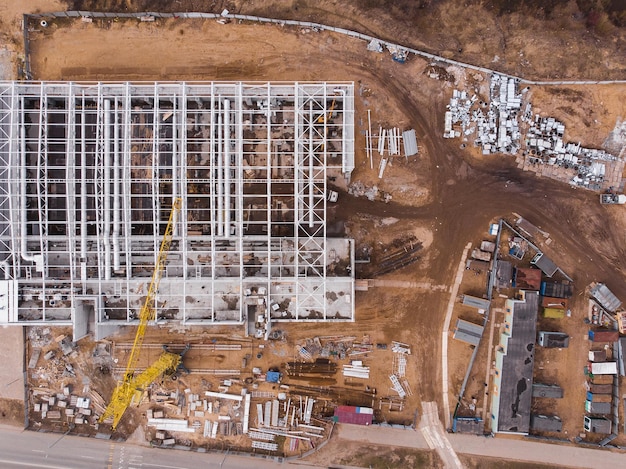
(444, 196)
(474, 462)
(353, 454)
(589, 113)
(12, 412)
(512, 37)
(463, 193)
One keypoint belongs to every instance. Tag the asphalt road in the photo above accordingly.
(26, 449)
(531, 451)
(501, 447)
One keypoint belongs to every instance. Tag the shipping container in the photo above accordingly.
(598, 408)
(553, 313)
(597, 425)
(597, 355)
(591, 397)
(602, 379)
(601, 388)
(604, 336)
(603, 368)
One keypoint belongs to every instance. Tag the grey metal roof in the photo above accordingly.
(545, 264)
(553, 339)
(410, 142)
(545, 423)
(621, 352)
(605, 297)
(475, 302)
(504, 274)
(557, 289)
(550, 391)
(597, 425)
(468, 332)
(527, 227)
(474, 426)
(517, 368)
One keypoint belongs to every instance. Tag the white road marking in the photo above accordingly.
(30, 464)
(162, 466)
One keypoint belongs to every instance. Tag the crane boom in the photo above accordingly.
(125, 390)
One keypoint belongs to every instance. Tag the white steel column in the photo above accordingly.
(311, 157)
(227, 168)
(98, 179)
(42, 193)
(175, 150)
(212, 180)
(24, 176)
(297, 203)
(220, 176)
(107, 189)
(83, 195)
(155, 174)
(70, 180)
(12, 140)
(127, 181)
(184, 241)
(239, 191)
(116, 190)
(268, 201)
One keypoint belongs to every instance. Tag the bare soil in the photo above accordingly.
(511, 37)
(445, 196)
(464, 193)
(12, 412)
(376, 457)
(476, 462)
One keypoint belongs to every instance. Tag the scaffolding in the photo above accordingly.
(89, 172)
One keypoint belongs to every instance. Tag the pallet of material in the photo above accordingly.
(53, 414)
(355, 371)
(258, 435)
(265, 445)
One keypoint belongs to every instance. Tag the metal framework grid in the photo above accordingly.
(89, 172)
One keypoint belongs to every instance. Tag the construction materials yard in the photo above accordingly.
(409, 229)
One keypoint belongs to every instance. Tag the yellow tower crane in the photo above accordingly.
(323, 118)
(168, 362)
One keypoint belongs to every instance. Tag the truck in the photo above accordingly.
(612, 199)
(598, 408)
(603, 336)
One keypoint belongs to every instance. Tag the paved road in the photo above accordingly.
(436, 437)
(501, 448)
(24, 449)
(532, 451)
(21, 449)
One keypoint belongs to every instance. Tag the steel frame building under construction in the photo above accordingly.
(88, 174)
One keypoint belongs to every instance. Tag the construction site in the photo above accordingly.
(211, 248)
(93, 172)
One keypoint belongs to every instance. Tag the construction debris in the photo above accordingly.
(497, 124)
